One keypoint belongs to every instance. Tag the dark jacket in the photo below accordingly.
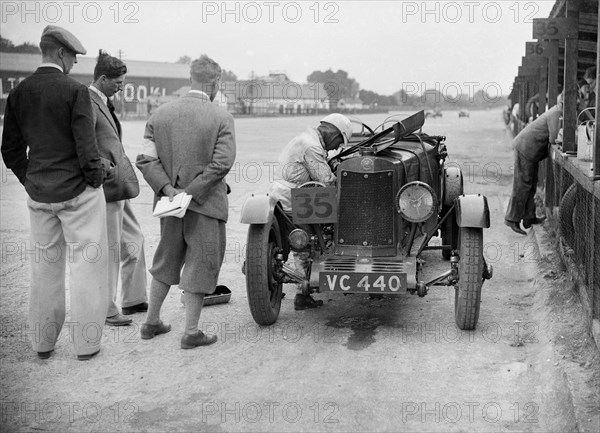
(121, 182)
(48, 139)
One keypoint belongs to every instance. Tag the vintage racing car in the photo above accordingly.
(367, 234)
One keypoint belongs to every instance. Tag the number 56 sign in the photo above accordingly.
(314, 205)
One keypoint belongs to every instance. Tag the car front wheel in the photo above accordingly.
(467, 298)
(264, 291)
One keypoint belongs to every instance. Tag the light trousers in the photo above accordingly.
(126, 247)
(72, 232)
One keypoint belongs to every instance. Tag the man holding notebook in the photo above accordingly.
(189, 147)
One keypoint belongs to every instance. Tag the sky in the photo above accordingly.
(454, 46)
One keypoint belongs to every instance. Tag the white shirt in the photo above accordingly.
(52, 65)
(200, 92)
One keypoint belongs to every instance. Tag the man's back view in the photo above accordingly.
(48, 142)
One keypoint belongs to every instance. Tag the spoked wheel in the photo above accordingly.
(470, 278)
(264, 291)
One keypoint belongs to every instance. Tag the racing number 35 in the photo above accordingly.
(314, 205)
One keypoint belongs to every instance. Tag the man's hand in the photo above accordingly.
(171, 191)
(333, 164)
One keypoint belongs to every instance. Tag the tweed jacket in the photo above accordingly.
(121, 182)
(534, 140)
(190, 144)
(48, 138)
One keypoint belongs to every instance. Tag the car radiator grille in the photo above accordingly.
(351, 264)
(366, 211)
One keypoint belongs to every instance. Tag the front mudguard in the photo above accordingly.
(262, 209)
(472, 210)
(258, 209)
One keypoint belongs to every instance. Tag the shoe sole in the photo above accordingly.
(192, 346)
(87, 357)
(45, 355)
(154, 334)
(151, 336)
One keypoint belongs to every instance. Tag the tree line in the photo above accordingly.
(339, 85)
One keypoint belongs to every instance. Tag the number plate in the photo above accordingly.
(360, 282)
(314, 205)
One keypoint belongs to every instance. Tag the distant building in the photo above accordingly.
(275, 94)
(143, 80)
(149, 84)
(351, 105)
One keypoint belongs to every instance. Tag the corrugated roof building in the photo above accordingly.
(148, 84)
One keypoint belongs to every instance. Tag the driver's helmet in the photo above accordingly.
(342, 123)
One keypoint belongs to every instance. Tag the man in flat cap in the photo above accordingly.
(49, 144)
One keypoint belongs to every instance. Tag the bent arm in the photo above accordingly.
(222, 161)
(14, 148)
(149, 164)
(316, 164)
(82, 125)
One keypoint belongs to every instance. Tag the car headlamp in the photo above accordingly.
(416, 202)
(298, 239)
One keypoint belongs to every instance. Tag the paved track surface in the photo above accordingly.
(396, 364)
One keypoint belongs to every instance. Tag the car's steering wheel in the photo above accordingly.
(312, 183)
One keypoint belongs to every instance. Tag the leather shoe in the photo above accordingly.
(139, 308)
(149, 331)
(516, 227)
(118, 320)
(189, 341)
(302, 302)
(88, 356)
(45, 355)
(529, 222)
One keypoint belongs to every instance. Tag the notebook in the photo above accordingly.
(175, 208)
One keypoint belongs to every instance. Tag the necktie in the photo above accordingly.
(111, 108)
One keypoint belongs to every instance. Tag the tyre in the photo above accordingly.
(470, 278)
(449, 235)
(264, 292)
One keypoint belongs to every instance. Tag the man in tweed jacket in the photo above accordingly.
(189, 146)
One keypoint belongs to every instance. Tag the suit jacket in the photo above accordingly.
(195, 149)
(48, 139)
(534, 140)
(121, 182)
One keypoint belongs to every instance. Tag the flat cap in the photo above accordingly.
(63, 37)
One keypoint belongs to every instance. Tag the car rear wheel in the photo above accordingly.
(264, 291)
(467, 298)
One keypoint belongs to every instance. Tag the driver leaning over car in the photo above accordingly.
(302, 160)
